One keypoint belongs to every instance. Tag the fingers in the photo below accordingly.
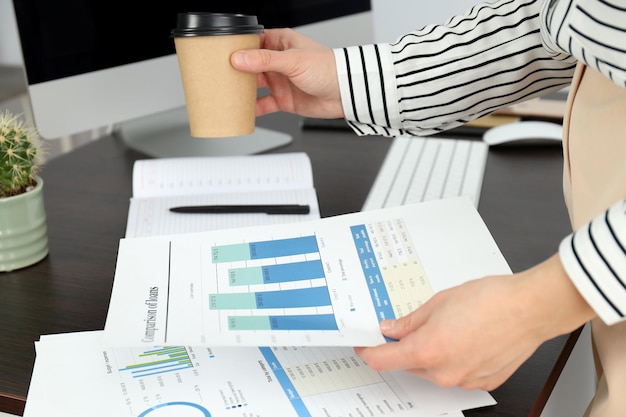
(279, 39)
(426, 363)
(399, 328)
(387, 357)
(262, 81)
(261, 60)
(241, 61)
(264, 59)
(274, 54)
(266, 105)
(396, 355)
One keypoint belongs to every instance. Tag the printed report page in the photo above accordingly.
(92, 379)
(327, 282)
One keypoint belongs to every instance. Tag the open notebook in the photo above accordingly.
(159, 184)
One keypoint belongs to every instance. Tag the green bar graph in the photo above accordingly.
(234, 301)
(231, 253)
(245, 276)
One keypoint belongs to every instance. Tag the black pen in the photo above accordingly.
(245, 208)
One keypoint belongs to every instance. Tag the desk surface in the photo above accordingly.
(87, 195)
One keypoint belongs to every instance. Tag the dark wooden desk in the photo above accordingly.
(87, 195)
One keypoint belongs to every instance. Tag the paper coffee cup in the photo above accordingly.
(220, 100)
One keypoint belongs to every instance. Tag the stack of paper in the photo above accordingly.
(75, 375)
(189, 311)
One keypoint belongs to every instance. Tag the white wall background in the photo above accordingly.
(10, 53)
(577, 384)
(356, 29)
(393, 18)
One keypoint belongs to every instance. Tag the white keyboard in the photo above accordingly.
(419, 169)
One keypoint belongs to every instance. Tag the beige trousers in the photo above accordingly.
(594, 178)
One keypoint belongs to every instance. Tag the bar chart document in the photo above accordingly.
(76, 376)
(327, 282)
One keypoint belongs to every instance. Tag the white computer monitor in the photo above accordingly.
(91, 64)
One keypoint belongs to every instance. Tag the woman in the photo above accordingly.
(476, 335)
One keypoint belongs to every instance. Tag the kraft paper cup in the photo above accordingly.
(220, 100)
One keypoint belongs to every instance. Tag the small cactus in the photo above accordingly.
(20, 155)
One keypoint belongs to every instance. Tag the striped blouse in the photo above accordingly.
(498, 54)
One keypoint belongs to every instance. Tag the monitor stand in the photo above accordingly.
(166, 135)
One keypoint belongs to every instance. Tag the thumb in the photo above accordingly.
(257, 61)
(399, 328)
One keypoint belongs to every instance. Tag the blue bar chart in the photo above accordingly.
(264, 249)
(287, 292)
(276, 273)
(306, 297)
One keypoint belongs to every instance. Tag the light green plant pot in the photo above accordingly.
(23, 230)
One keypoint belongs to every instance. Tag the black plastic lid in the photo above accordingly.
(212, 24)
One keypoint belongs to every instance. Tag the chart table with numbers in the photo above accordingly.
(327, 282)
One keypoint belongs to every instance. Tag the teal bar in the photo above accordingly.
(245, 276)
(249, 323)
(231, 253)
(232, 301)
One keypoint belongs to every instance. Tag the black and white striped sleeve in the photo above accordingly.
(595, 260)
(498, 54)
(594, 31)
(443, 76)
